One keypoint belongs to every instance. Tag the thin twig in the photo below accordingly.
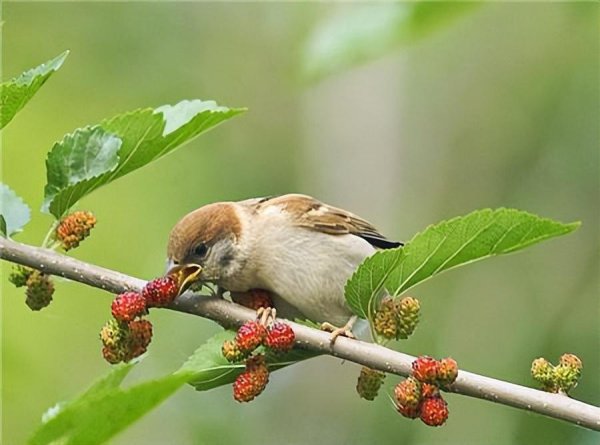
(49, 234)
(375, 356)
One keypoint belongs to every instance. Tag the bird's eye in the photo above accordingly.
(200, 250)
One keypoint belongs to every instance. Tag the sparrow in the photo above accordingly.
(293, 246)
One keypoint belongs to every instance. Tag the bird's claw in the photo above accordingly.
(344, 331)
(266, 315)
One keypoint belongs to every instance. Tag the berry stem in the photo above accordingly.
(49, 236)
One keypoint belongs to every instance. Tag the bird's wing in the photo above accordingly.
(315, 215)
(254, 203)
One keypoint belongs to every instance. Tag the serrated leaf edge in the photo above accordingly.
(566, 228)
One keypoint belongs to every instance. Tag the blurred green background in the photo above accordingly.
(497, 107)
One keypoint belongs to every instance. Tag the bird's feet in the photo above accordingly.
(344, 331)
(266, 315)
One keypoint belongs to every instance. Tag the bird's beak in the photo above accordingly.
(186, 274)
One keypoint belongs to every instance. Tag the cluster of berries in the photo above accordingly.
(74, 228)
(253, 380)
(123, 342)
(128, 334)
(278, 337)
(397, 318)
(560, 378)
(71, 230)
(419, 395)
(253, 299)
(39, 286)
(369, 382)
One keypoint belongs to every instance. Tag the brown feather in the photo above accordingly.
(204, 225)
(315, 215)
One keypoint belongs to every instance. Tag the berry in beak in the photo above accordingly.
(186, 275)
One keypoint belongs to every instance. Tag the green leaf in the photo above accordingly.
(94, 156)
(13, 211)
(104, 409)
(78, 164)
(461, 240)
(370, 31)
(206, 368)
(15, 93)
(367, 283)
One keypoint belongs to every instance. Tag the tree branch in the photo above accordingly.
(229, 314)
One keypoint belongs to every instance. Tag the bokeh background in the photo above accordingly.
(403, 117)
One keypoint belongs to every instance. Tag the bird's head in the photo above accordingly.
(204, 245)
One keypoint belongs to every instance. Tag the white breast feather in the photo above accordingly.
(307, 268)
